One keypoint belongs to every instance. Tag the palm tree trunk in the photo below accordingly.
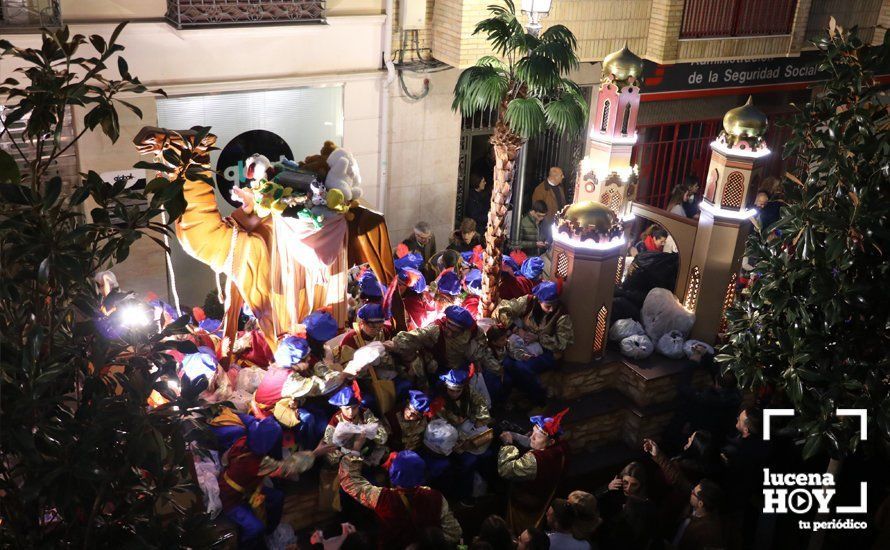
(506, 149)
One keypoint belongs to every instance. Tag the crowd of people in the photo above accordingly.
(410, 414)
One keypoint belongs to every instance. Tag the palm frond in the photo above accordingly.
(498, 31)
(566, 114)
(559, 53)
(507, 8)
(539, 73)
(491, 61)
(560, 34)
(523, 42)
(479, 87)
(526, 117)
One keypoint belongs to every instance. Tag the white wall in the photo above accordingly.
(423, 159)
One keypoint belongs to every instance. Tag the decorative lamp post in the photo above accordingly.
(606, 174)
(588, 240)
(535, 10)
(733, 176)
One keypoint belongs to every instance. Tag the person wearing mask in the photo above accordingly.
(407, 508)
(551, 192)
(532, 238)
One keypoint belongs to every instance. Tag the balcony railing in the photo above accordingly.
(29, 14)
(727, 18)
(184, 14)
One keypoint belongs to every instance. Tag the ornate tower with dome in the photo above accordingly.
(606, 175)
(733, 175)
(588, 240)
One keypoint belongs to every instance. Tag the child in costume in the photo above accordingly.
(534, 472)
(537, 318)
(406, 509)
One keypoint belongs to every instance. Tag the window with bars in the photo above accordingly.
(725, 18)
(184, 14)
(605, 122)
(625, 120)
(692, 289)
(29, 14)
(599, 333)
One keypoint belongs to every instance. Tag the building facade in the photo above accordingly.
(376, 76)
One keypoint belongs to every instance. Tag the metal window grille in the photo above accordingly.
(728, 300)
(184, 14)
(605, 121)
(692, 289)
(29, 14)
(620, 271)
(599, 333)
(625, 121)
(562, 265)
(732, 193)
(722, 18)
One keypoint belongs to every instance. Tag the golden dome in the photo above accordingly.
(589, 218)
(746, 120)
(623, 64)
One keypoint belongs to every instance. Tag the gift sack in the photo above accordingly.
(662, 312)
(637, 347)
(671, 344)
(687, 347)
(622, 328)
(440, 437)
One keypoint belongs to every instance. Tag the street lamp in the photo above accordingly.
(535, 10)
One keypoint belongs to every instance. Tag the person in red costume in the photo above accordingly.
(510, 287)
(407, 508)
(536, 472)
(254, 508)
(473, 286)
(419, 307)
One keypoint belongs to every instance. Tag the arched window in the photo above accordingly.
(626, 120)
(692, 289)
(607, 105)
(732, 193)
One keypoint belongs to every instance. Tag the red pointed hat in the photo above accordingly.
(550, 425)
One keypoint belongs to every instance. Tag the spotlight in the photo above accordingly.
(134, 316)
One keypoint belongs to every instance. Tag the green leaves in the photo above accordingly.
(526, 117)
(480, 87)
(9, 170)
(815, 324)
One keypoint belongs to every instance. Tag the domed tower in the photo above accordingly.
(606, 175)
(733, 175)
(588, 240)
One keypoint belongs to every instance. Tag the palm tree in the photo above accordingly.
(526, 83)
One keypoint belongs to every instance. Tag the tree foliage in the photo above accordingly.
(84, 462)
(526, 82)
(817, 324)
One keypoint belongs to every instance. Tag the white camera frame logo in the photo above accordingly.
(800, 500)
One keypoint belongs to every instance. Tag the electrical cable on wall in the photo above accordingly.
(421, 62)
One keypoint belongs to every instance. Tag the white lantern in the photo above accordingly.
(535, 10)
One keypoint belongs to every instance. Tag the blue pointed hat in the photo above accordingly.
(473, 281)
(418, 401)
(413, 260)
(320, 326)
(369, 285)
(291, 350)
(263, 435)
(532, 268)
(202, 363)
(407, 470)
(454, 378)
(412, 278)
(546, 291)
(344, 398)
(372, 313)
(459, 316)
(448, 283)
